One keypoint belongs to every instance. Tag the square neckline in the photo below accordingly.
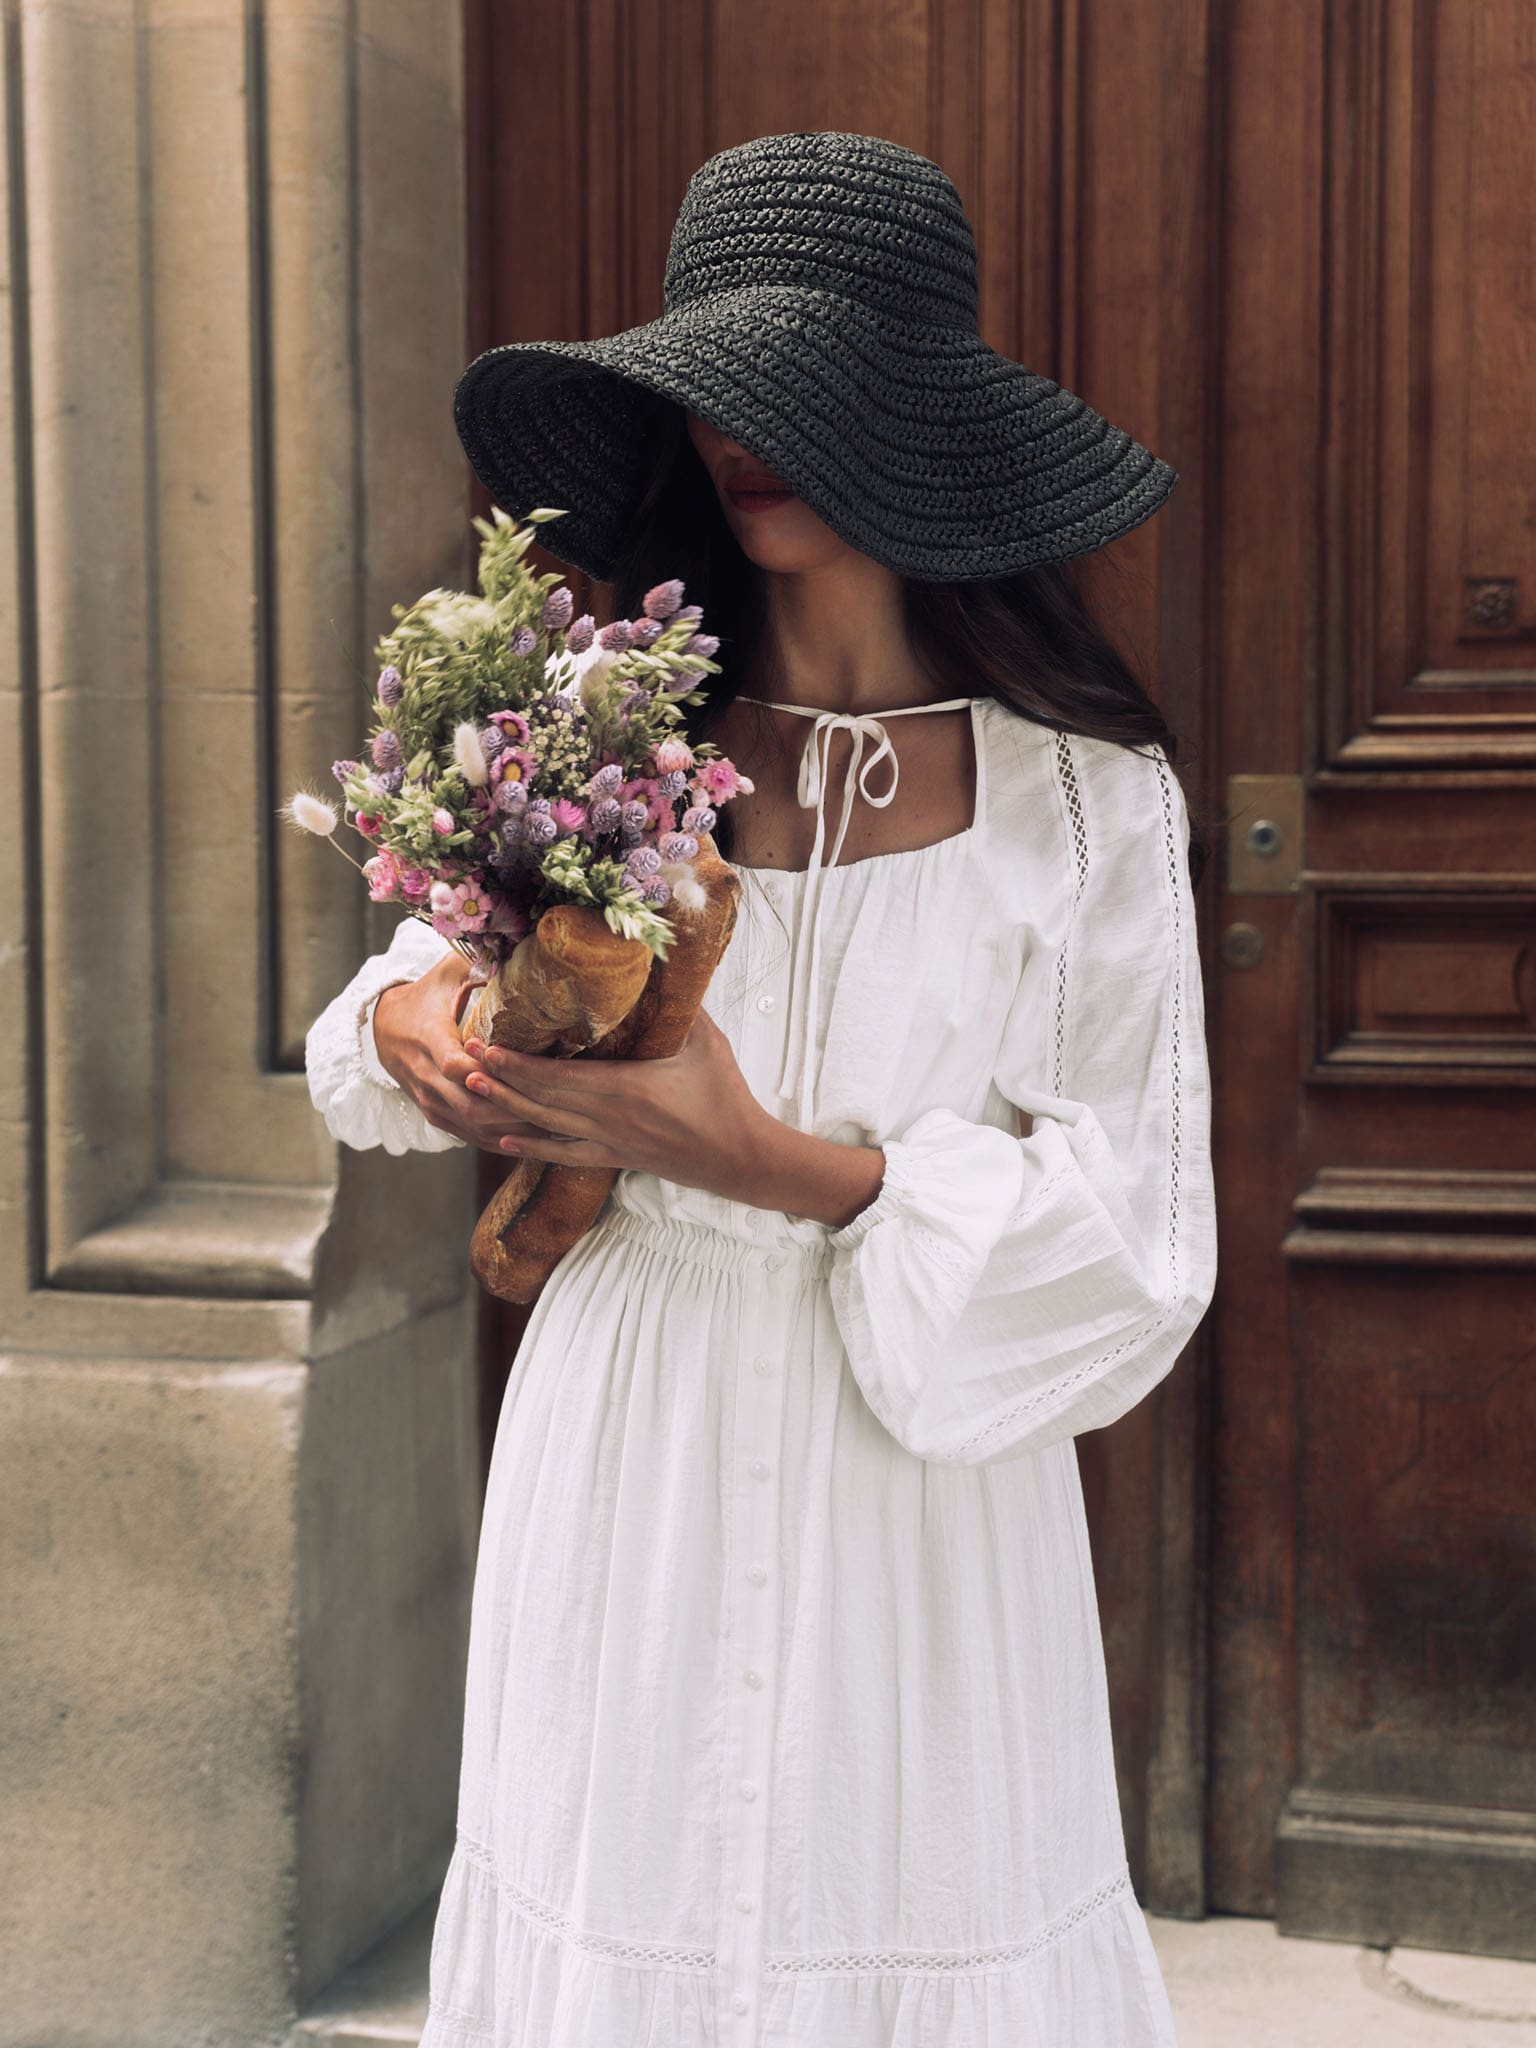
(963, 837)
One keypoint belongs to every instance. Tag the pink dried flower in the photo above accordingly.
(415, 883)
(367, 824)
(558, 607)
(647, 632)
(699, 818)
(720, 781)
(383, 872)
(390, 688)
(568, 816)
(386, 750)
(673, 753)
(459, 907)
(663, 599)
(702, 643)
(579, 638)
(443, 822)
(678, 846)
(616, 636)
(688, 611)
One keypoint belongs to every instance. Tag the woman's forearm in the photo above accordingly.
(813, 1177)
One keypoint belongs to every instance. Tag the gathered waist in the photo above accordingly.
(743, 1240)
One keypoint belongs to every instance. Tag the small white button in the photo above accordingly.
(754, 1679)
(739, 2002)
(773, 1264)
(757, 1575)
(753, 1219)
(765, 1004)
(758, 1468)
(743, 1903)
(762, 1367)
(747, 1790)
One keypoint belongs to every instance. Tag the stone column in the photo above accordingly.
(237, 1462)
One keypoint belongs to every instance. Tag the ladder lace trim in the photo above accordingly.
(1056, 1392)
(827, 1963)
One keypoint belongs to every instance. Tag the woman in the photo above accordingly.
(786, 1717)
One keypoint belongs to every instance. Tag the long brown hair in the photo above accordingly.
(1027, 639)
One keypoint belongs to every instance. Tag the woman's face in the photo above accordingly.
(776, 530)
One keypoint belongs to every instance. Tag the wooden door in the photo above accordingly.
(1373, 1561)
(1289, 247)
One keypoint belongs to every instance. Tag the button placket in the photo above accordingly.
(752, 1650)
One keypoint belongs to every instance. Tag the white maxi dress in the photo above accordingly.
(786, 1722)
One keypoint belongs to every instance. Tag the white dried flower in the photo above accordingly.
(469, 754)
(311, 813)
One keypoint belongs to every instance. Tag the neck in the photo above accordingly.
(835, 638)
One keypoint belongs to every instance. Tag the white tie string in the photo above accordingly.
(800, 1049)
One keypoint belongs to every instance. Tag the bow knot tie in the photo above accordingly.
(817, 754)
(800, 1051)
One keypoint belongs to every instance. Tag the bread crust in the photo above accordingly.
(542, 1208)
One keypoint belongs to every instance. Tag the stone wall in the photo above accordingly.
(237, 1466)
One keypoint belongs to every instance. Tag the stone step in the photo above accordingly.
(382, 1998)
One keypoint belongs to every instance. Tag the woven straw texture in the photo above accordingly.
(820, 308)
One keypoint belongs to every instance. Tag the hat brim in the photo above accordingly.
(917, 444)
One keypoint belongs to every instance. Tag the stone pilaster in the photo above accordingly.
(237, 1466)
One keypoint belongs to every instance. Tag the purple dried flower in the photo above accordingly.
(635, 701)
(616, 635)
(511, 833)
(642, 860)
(389, 781)
(538, 803)
(523, 641)
(342, 769)
(635, 816)
(493, 741)
(646, 632)
(689, 611)
(540, 829)
(558, 607)
(510, 797)
(607, 781)
(605, 814)
(678, 846)
(663, 599)
(655, 889)
(391, 689)
(702, 643)
(700, 818)
(386, 750)
(672, 784)
(579, 638)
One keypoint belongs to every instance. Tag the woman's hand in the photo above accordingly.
(690, 1118)
(415, 1028)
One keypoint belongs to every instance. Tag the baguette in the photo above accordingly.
(543, 1208)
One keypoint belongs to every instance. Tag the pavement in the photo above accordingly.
(1236, 1983)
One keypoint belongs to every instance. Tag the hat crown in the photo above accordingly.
(854, 215)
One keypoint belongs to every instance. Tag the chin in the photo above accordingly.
(789, 541)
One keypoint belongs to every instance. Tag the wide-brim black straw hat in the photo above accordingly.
(820, 309)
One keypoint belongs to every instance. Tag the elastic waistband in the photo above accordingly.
(700, 1245)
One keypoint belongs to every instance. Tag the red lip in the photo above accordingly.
(757, 488)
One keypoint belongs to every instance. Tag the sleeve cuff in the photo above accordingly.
(373, 1066)
(887, 1201)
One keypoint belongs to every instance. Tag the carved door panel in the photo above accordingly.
(1373, 1565)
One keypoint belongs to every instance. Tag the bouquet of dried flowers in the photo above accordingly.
(528, 790)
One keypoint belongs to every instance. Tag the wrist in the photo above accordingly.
(376, 1029)
(817, 1178)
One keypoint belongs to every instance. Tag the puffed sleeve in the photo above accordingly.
(363, 1105)
(1002, 1292)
